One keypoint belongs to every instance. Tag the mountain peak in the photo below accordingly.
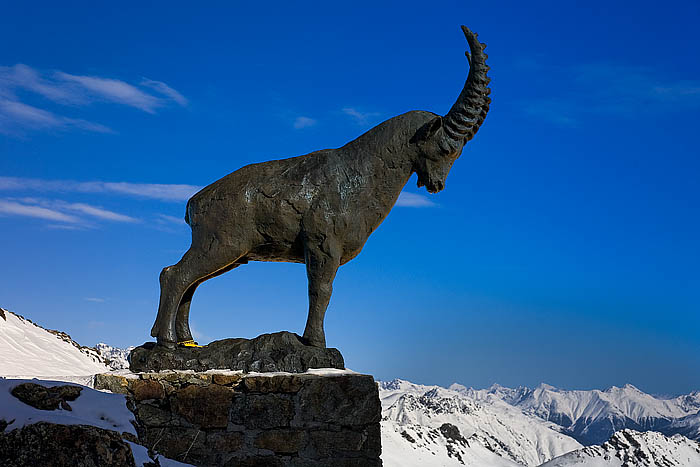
(626, 388)
(458, 387)
(546, 387)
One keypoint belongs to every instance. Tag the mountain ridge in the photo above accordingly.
(592, 416)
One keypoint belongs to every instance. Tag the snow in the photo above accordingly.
(141, 457)
(32, 354)
(96, 408)
(31, 351)
(310, 371)
(632, 448)
(490, 427)
(92, 407)
(397, 451)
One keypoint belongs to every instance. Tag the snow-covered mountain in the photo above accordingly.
(32, 350)
(28, 350)
(593, 416)
(430, 425)
(632, 448)
(115, 357)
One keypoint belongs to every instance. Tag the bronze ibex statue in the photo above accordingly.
(320, 208)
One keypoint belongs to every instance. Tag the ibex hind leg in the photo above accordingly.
(182, 319)
(195, 265)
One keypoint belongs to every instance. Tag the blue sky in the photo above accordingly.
(564, 248)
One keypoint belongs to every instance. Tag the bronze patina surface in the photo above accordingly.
(319, 208)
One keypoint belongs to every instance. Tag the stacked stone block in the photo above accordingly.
(274, 419)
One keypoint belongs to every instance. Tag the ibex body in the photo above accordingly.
(320, 208)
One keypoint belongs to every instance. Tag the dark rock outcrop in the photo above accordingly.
(234, 419)
(44, 444)
(280, 351)
(46, 398)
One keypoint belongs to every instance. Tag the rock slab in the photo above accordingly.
(44, 444)
(280, 351)
(43, 398)
(234, 419)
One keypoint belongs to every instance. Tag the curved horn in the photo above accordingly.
(467, 114)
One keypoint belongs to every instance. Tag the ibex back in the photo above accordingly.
(320, 208)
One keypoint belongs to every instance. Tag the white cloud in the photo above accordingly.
(94, 299)
(162, 192)
(165, 90)
(97, 212)
(304, 122)
(413, 200)
(114, 90)
(164, 218)
(75, 90)
(362, 118)
(68, 226)
(60, 211)
(31, 115)
(14, 208)
(14, 115)
(22, 76)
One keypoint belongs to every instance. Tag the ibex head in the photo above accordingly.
(441, 140)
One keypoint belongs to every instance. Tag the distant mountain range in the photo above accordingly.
(498, 426)
(591, 417)
(431, 426)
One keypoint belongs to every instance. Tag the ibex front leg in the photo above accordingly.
(322, 262)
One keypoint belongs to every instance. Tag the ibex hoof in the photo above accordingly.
(315, 341)
(167, 344)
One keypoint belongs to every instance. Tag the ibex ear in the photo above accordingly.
(429, 138)
(427, 131)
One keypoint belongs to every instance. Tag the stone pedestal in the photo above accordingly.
(322, 418)
(280, 351)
